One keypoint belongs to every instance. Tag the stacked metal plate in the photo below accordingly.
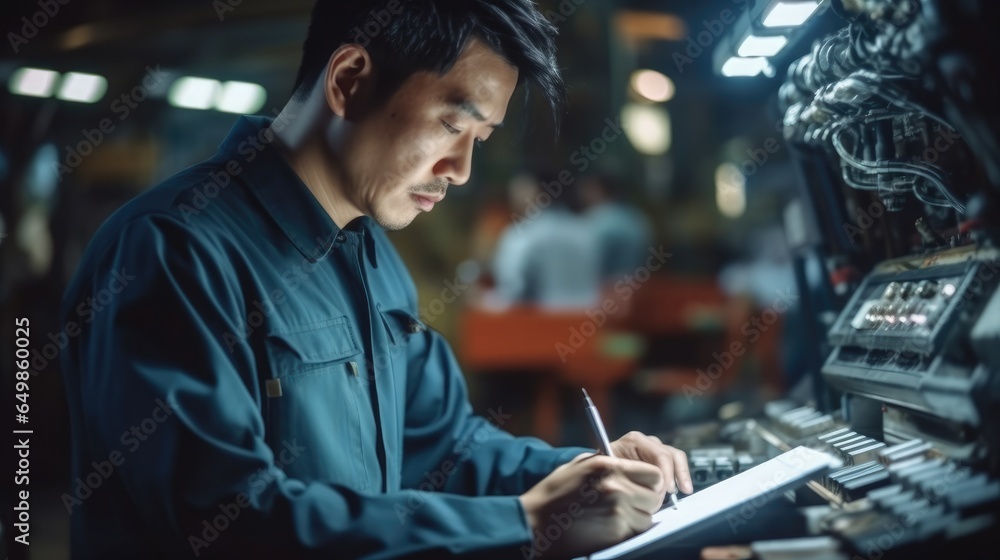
(804, 422)
(852, 447)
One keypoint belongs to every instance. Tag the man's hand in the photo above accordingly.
(671, 461)
(590, 503)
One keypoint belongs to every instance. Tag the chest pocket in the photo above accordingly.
(318, 404)
(401, 325)
(407, 336)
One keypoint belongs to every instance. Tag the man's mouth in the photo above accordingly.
(426, 202)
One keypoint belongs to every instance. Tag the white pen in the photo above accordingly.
(673, 499)
(597, 425)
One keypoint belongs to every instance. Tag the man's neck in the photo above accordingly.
(307, 152)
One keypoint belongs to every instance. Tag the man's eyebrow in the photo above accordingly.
(468, 107)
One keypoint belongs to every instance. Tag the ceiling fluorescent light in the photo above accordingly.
(85, 88)
(193, 93)
(790, 14)
(34, 82)
(240, 97)
(739, 66)
(762, 46)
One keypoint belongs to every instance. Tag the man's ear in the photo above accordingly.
(348, 77)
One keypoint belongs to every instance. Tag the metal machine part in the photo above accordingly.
(901, 103)
(904, 337)
(894, 128)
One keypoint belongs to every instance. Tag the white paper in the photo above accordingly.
(753, 487)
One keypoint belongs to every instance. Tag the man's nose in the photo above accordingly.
(456, 167)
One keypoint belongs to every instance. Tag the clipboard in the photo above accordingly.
(740, 495)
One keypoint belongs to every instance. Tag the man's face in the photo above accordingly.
(401, 158)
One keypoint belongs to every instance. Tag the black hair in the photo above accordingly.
(565, 193)
(609, 184)
(406, 36)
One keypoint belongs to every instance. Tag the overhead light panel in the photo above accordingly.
(652, 85)
(193, 93)
(746, 67)
(240, 97)
(790, 14)
(647, 127)
(34, 82)
(730, 190)
(754, 45)
(85, 88)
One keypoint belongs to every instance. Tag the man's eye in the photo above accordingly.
(450, 128)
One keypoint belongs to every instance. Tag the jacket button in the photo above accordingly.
(416, 327)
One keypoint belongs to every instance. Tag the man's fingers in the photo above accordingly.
(638, 521)
(671, 461)
(583, 457)
(622, 492)
(674, 464)
(641, 473)
(661, 457)
(682, 473)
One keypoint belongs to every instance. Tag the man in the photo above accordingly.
(546, 257)
(622, 230)
(251, 378)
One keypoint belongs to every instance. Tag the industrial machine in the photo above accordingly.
(894, 125)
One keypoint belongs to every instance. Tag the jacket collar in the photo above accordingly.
(283, 195)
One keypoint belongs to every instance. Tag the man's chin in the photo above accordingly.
(394, 222)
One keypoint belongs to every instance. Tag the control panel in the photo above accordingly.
(904, 337)
(909, 312)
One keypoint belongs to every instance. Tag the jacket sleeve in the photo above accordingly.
(448, 448)
(163, 338)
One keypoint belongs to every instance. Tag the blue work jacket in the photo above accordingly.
(247, 380)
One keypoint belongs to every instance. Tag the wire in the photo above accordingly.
(897, 96)
(928, 172)
(944, 203)
(854, 182)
